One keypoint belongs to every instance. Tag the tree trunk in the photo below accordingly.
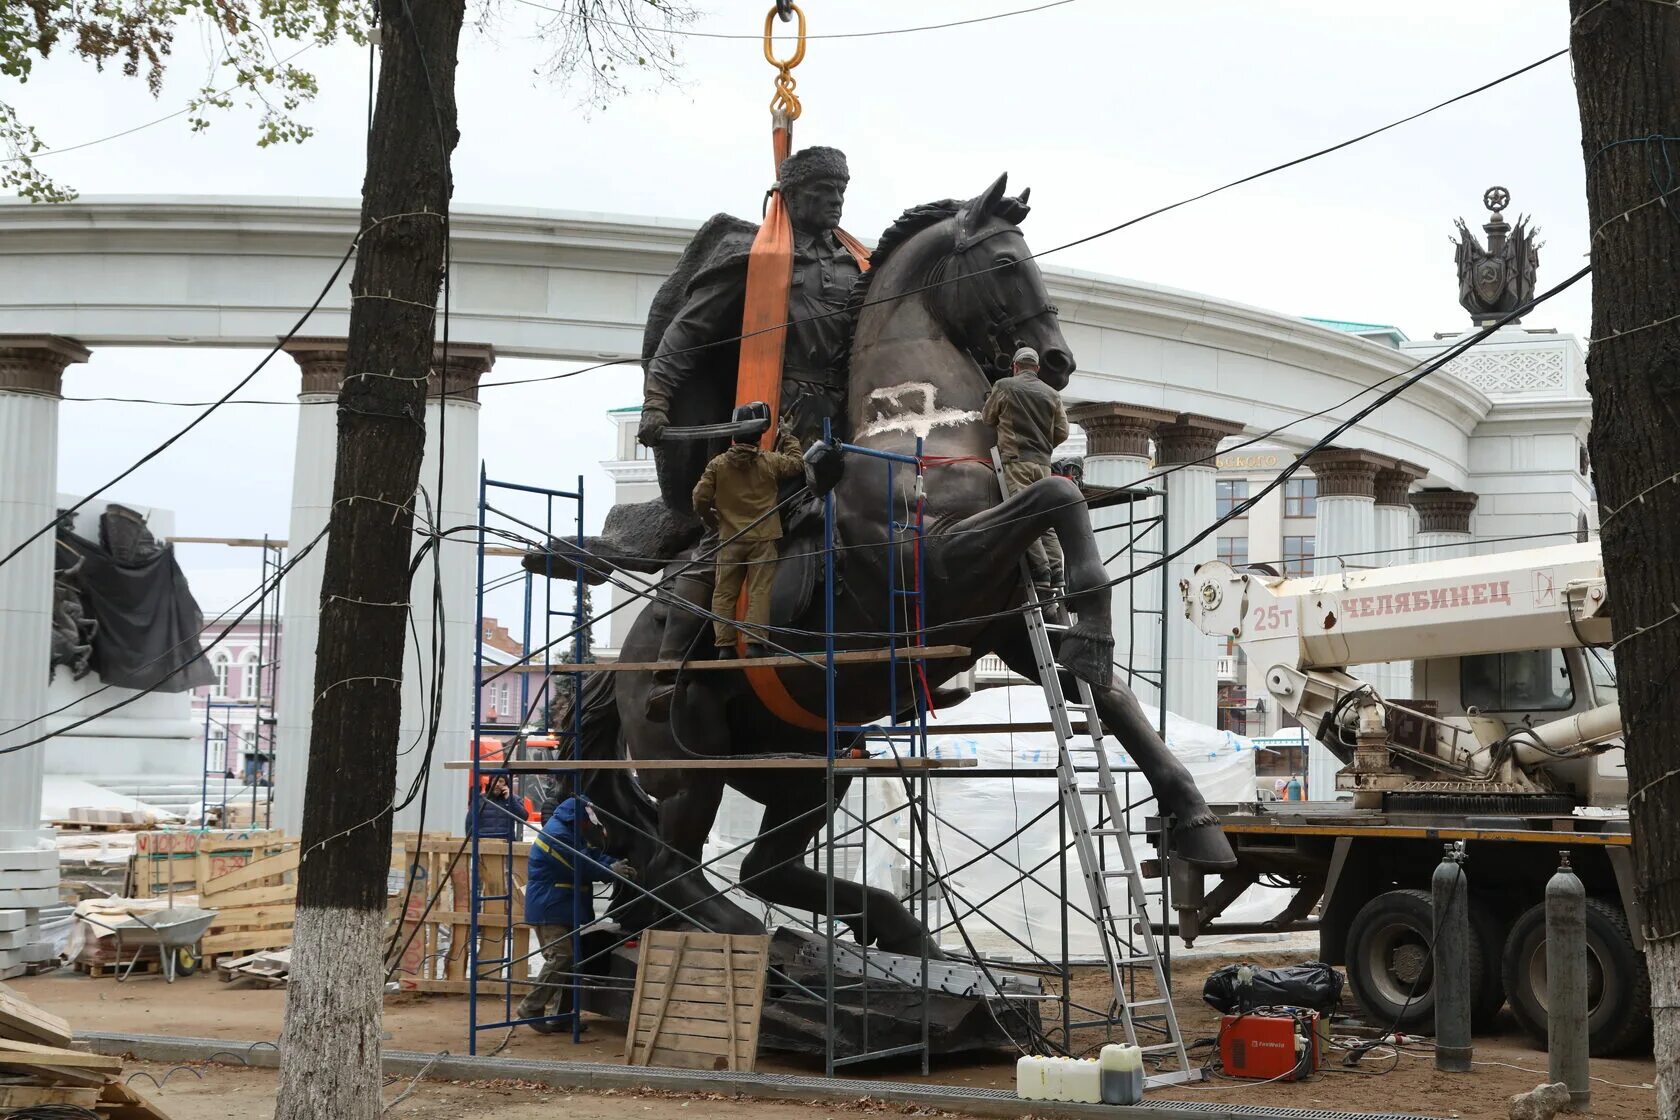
(330, 1067)
(1627, 80)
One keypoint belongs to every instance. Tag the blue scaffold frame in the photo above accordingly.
(502, 965)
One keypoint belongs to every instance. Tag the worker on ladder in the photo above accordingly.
(1030, 422)
(736, 498)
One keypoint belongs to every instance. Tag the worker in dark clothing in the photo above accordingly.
(1030, 422)
(565, 856)
(495, 815)
(738, 489)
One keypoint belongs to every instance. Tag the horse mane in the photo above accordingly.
(909, 223)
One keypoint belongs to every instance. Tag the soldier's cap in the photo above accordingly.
(810, 164)
(1025, 356)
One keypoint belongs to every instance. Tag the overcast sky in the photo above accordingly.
(1106, 108)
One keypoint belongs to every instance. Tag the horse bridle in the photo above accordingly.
(1001, 324)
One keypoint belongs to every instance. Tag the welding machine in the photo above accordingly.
(1275, 1044)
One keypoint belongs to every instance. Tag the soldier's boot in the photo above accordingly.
(684, 622)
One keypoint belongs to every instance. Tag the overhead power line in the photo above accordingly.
(756, 37)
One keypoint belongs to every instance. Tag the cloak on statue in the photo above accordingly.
(716, 256)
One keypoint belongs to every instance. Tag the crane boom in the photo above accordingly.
(1311, 635)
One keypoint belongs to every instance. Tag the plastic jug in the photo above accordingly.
(1122, 1074)
(1030, 1078)
(1082, 1082)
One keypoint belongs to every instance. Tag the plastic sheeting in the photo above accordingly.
(1005, 912)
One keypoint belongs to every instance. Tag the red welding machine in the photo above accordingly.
(1271, 1047)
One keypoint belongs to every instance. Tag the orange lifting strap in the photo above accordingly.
(764, 326)
(770, 263)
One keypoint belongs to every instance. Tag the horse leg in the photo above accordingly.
(992, 542)
(673, 875)
(1196, 835)
(774, 871)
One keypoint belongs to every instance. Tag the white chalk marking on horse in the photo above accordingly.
(893, 411)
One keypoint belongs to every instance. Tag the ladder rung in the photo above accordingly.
(1157, 1047)
(1157, 1002)
(1091, 790)
(1110, 832)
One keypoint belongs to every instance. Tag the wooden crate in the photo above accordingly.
(698, 1000)
(432, 944)
(256, 901)
(168, 857)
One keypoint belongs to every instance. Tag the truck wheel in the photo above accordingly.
(1389, 963)
(1618, 986)
(1489, 933)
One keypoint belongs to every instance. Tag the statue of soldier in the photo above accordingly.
(692, 349)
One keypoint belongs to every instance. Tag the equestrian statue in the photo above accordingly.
(887, 348)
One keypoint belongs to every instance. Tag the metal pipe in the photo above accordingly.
(1566, 984)
(1451, 952)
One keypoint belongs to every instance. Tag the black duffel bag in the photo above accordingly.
(1313, 984)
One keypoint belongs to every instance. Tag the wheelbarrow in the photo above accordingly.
(174, 931)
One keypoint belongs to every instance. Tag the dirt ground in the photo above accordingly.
(201, 1006)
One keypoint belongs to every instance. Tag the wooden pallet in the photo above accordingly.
(259, 970)
(99, 969)
(103, 826)
(698, 1000)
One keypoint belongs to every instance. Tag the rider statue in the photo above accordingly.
(697, 317)
(813, 187)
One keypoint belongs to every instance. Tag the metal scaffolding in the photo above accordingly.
(1029, 993)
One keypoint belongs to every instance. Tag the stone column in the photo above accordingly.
(321, 361)
(1346, 538)
(1394, 543)
(1443, 524)
(452, 425)
(1188, 444)
(31, 377)
(1117, 454)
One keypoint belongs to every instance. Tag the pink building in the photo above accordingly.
(236, 713)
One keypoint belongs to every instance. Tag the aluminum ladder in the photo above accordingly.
(1077, 758)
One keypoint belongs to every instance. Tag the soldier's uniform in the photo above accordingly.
(813, 380)
(1030, 422)
(738, 488)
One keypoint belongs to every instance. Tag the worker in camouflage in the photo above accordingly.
(1030, 423)
(733, 498)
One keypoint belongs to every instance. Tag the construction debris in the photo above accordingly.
(259, 970)
(38, 1067)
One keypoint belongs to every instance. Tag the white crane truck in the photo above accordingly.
(1509, 739)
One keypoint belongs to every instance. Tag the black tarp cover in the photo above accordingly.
(148, 620)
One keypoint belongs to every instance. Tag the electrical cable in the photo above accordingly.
(683, 33)
(851, 310)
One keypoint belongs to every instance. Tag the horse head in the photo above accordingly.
(990, 295)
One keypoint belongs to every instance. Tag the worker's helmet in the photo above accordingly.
(1025, 358)
(753, 412)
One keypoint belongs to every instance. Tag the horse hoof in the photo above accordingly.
(1087, 652)
(1204, 846)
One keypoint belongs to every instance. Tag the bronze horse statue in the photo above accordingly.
(952, 288)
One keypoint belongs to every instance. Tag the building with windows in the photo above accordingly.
(234, 715)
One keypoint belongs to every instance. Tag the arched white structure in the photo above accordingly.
(549, 284)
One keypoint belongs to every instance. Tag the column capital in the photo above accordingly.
(1122, 430)
(1192, 439)
(1344, 472)
(1394, 482)
(457, 379)
(322, 362)
(35, 363)
(1444, 511)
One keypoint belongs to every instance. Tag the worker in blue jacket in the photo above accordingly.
(567, 853)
